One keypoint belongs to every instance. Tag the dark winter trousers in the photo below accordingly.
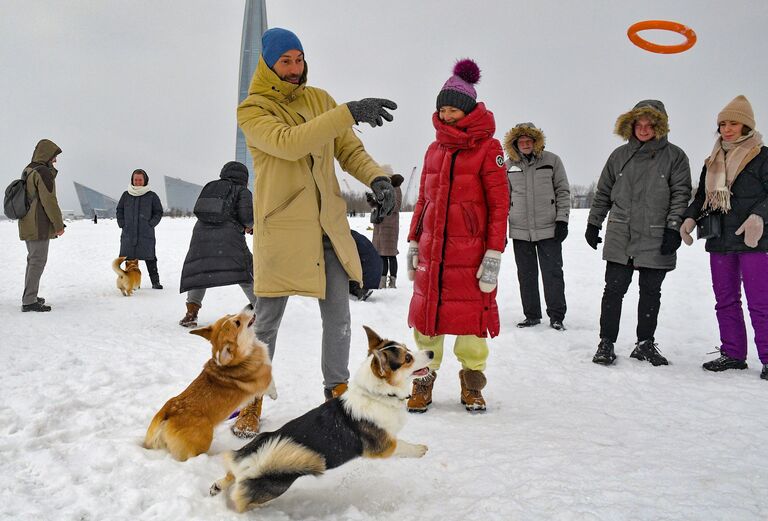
(37, 258)
(617, 280)
(152, 269)
(729, 271)
(334, 312)
(548, 254)
(389, 264)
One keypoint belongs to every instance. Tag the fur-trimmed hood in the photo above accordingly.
(523, 129)
(651, 109)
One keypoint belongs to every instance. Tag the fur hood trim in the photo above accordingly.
(523, 129)
(651, 109)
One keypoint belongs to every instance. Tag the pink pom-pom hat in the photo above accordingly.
(459, 90)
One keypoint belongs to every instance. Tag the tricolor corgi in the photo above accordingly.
(238, 371)
(364, 421)
(128, 279)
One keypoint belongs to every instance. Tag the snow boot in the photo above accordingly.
(249, 420)
(557, 325)
(472, 382)
(421, 393)
(392, 282)
(383, 282)
(36, 306)
(529, 322)
(337, 391)
(647, 350)
(190, 319)
(764, 372)
(724, 362)
(154, 276)
(604, 354)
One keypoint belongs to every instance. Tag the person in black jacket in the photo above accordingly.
(734, 189)
(138, 212)
(218, 254)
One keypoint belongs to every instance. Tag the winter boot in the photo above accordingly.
(725, 362)
(604, 354)
(249, 420)
(36, 306)
(421, 393)
(529, 322)
(647, 350)
(337, 391)
(154, 276)
(383, 282)
(190, 319)
(764, 372)
(392, 282)
(472, 382)
(557, 325)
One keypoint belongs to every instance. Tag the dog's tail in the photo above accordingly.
(154, 438)
(116, 265)
(267, 473)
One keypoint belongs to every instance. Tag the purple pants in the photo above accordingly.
(728, 272)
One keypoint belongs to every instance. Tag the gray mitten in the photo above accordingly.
(385, 195)
(412, 259)
(488, 272)
(371, 110)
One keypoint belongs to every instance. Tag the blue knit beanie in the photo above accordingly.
(275, 42)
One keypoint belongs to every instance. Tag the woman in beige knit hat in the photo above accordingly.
(734, 187)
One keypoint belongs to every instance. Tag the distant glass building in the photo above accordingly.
(254, 25)
(93, 202)
(180, 195)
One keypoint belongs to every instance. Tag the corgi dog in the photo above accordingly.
(128, 280)
(364, 421)
(238, 371)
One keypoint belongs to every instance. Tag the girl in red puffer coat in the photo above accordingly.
(457, 234)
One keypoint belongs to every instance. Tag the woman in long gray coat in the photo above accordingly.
(218, 254)
(138, 212)
(646, 186)
(386, 235)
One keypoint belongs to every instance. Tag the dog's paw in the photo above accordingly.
(272, 390)
(420, 450)
(244, 432)
(215, 489)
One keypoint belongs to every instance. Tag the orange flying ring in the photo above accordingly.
(664, 25)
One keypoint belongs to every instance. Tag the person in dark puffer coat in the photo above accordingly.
(218, 254)
(646, 186)
(457, 235)
(138, 212)
(734, 186)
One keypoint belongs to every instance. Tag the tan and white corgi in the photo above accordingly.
(128, 280)
(238, 371)
(363, 422)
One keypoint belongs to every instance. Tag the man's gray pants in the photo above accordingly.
(196, 296)
(37, 257)
(334, 312)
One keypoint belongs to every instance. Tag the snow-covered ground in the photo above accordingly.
(563, 438)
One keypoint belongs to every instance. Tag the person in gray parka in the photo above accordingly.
(138, 212)
(540, 202)
(218, 254)
(646, 186)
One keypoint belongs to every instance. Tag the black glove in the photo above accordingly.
(371, 110)
(370, 199)
(593, 236)
(384, 193)
(561, 230)
(671, 241)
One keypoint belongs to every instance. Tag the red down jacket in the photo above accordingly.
(461, 212)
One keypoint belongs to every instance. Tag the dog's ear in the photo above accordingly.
(204, 332)
(374, 340)
(379, 363)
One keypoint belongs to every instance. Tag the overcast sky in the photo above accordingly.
(145, 84)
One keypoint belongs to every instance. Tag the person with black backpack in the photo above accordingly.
(42, 222)
(218, 254)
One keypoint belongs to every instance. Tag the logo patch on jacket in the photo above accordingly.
(499, 161)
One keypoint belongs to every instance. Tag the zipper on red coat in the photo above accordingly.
(445, 232)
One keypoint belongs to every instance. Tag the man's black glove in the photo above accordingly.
(561, 230)
(384, 193)
(370, 199)
(593, 236)
(371, 110)
(670, 242)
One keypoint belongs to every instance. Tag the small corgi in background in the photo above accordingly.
(238, 371)
(128, 280)
(364, 421)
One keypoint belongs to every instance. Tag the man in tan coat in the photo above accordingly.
(301, 238)
(42, 222)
